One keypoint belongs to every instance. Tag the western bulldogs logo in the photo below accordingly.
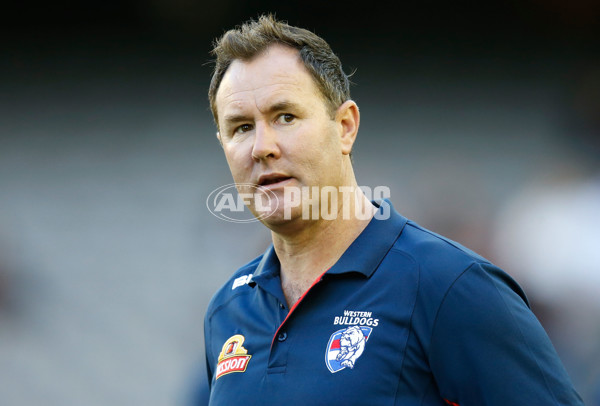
(345, 347)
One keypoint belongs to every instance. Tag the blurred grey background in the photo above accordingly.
(483, 119)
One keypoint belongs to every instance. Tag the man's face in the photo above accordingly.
(275, 127)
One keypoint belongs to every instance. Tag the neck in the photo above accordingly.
(313, 246)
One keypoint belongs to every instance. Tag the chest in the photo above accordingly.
(347, 337)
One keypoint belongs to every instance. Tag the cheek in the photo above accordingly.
(237, 155)
(239, 164)
(331, 142)
(317, 143)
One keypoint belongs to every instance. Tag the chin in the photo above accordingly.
(279, 219)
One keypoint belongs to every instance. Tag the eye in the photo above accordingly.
(285, 118)
(244, 128)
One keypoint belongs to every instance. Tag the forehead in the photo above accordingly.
(277, 73)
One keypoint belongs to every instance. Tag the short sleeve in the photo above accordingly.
(488, 348)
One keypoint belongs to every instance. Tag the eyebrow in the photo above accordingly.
(279, 106)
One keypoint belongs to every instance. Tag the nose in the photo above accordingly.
(265, 142)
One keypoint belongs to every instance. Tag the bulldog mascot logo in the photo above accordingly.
(345, 347)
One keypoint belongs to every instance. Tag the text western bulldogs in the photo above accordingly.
(353, 317)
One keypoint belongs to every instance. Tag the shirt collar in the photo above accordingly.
(368, 250)
(364, 255)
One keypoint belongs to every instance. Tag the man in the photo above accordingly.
(362, 307)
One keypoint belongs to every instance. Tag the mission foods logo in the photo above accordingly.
(233, 357)
(229, 202)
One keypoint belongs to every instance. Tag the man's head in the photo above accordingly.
(254, 37)
(279, 129)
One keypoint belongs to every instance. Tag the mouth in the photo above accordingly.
(273, 179)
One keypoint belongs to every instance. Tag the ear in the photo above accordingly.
(348, 118)
(219, 138)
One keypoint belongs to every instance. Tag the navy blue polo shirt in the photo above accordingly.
(405, 317)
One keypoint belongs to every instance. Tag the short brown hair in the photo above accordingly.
(255, 36)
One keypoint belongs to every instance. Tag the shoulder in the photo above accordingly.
(422, 241)
(440, 259)
(233, 287)
(445, 267)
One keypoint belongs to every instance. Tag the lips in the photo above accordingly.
(271, 179)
